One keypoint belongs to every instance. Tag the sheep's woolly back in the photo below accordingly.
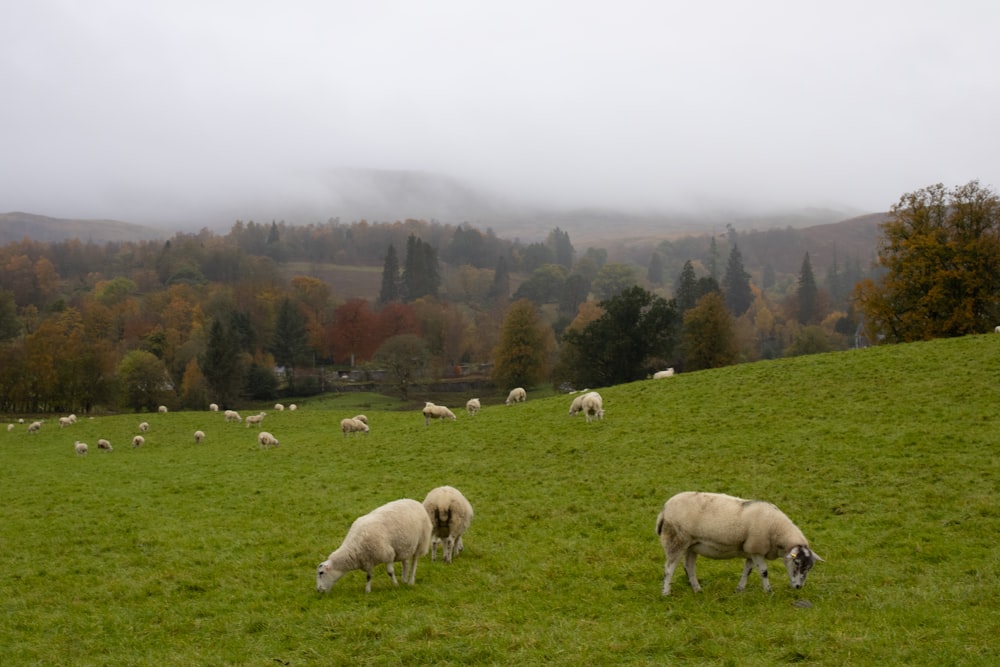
(516, 395)
(265, 439)
(450, 513)
(593, 406)
(432, 411)
(473, 406)
(353, 425)
(396, 531)
(199, 436)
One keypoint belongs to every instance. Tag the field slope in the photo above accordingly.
(182, 554)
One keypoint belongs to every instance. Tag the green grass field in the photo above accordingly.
(184, 554)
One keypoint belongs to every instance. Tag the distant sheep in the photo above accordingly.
(214, 407)
(397, 531)
(472, 406)
(198, 436)
(293, 407)
(104, 445)
(144, 426)
(353, 425)
(138, 441)
(232, 416)
(576, 406)
(715, 525)
(361, 418)
(10, 427)
(516, 395)
(593, 406)
(997, 329)
(279, 407)
(265, 439)
(450, 514)
(162, 409)
(65, 421)
(34, 427)
(256, 419)
(80, 448)
(432, 411)
(659, 375)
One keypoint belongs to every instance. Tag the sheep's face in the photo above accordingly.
(798, 561)
(326, 577)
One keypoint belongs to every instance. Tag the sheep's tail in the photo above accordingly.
(659, 524)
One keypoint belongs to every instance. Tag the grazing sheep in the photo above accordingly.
(576, 406)
(432, 411)
(659, 375)
(472, 406)
(353, 425)
(104, 445)
(279, 407)
(232, 416)
(361, 418)
(72, 419)
(592, 406)
(64, 422)
(516, 395)
(256, 419)
(715, 525)
(213, 407)
(144, 426)
(265, 439)
(198, 436)
(138, 441)
(80, 448)
(397, 531)
(34, 427)
(162, 409)
(293, 407)
(10, 427)
(450, 514)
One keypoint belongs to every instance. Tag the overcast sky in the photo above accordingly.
(139, 110)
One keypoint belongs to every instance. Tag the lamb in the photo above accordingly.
(353, 425)
(279, 407)
(659, 375)
(162, 409)
(144, 426)
(516, 395)
(138, 441)
(718, 526)
(432, 411)
(213, 407)
(592, 406)
(104, 445)
(397, 531)
(198, 436)
(80, 448)
(232, 416)
(34, 427)
(256, 419)
(472, 406)
(265, 439)
(450, 514)
(64, 422)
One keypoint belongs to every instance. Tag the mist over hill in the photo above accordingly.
(17, 226)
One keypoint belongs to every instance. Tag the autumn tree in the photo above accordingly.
(351, 333)
(940, 249)
(404, 359)
(707, 334)
(144, 380)
(521, 355)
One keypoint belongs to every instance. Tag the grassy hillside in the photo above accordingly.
(17, 226)
(181, 554)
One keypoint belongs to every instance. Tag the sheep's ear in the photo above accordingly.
(817, 557)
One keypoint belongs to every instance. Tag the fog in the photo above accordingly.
(192, 112)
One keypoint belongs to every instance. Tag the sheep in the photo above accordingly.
(592, 406)
(80, 448)
(353, 425)
(64, 422)
(397, 531)
(432, 411)
(162, 409)
(232, 416)
(293, 407)
(279, 407)
(576, 406)
(659, 375)
(265, 439)
(361, 418)
(104, 445)
(472, 406)
(72, 419)
(450, 514)
(719, 526)
(516, 395)
(144, 426)
(997, 329)
(213, 407)
(256, 419)
(34, 427)
(198, 436)
(10, 427)
(138, 441)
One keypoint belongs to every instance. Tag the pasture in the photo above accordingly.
(179, 553)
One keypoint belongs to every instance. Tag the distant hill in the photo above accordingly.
(17, 226)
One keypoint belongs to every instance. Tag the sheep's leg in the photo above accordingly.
(668, 571)
(761, 564)
(368, 580)
(449, 548)
(689, 560)
(459, 547)
(413, 569)
(392, 572)
(747, 568)
(406, 570)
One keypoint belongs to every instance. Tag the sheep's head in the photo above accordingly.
(326, 576)
(798, 561)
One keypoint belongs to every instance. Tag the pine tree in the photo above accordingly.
(390, 277)
(421, 273)
(562, 249)
(290, 342)
(654, 272)
(736, 284)
(501, 280)
(686, 293)
(220, 364)
(808, 294)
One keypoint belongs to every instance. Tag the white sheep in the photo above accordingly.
(715, 525)
(592, 406)
(472, 406)
(10, 427)
(353, 425)
(198, 436)
(450, 514)
(138, 441)
(516, 395)
(279, 407)
(144, 426)
(80, 448)
(361, 418)
(997, 329)
(293, 407)
(432, 411)
(265, 439)
(162, 409)
(256, 419)
(397, 531)
(34, 427)
(232, 416)
(659, 375)
(576, 406)
(104, 445)
(64, 422)
(213, 407)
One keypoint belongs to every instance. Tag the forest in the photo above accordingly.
(253, 314)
